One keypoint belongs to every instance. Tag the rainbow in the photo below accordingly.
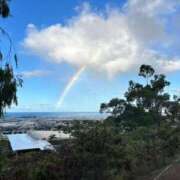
(69, 86)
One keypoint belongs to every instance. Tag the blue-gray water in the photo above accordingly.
(55, 116)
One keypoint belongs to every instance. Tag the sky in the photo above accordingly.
(75, 54)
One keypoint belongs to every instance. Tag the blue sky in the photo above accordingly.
(53, 38)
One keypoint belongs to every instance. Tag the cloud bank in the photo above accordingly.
(114, 41)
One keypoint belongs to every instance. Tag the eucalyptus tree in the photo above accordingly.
(9, 82)
(143, 104)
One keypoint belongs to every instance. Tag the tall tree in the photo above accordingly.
(143, 104)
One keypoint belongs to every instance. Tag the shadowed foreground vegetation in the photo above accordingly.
(140, 137)
(97, 153)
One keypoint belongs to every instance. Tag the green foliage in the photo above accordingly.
(146, 71)
(144, 105)
(97, 152)
(8, 81)
(32, 166)
(8, 87)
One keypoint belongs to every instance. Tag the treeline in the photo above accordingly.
(141, 135)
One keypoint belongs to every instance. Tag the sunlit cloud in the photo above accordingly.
(113, 42)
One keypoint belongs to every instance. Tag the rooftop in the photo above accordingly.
(21, 142)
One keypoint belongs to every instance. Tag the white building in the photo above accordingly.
(24, 142)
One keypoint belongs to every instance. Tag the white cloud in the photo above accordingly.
(152, 8)
(34, 73)
(170, 66)
(114, 42)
